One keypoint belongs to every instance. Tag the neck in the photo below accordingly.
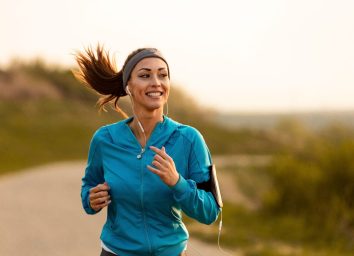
(148, 120)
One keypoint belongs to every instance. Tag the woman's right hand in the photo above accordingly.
(99, 196)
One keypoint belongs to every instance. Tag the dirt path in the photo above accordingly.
(41, 214)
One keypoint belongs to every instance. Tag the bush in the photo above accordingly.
(316, 183)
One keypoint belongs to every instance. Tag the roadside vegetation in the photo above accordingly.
(47, 115)
(298, 182)
(303, 197)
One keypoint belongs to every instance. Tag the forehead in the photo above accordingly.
(150, 63)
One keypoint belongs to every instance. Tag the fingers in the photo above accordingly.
(98, 207)
(168, 177)
(162, 161)
(100, 187)
(161, 152)
(100, 200)
(154, 170)
(164, 166)
(104, 204)
(163, 149)
(99, 196)
(99, 203)
(158, 160)
(158, 165)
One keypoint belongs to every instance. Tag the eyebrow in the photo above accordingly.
(149, 69)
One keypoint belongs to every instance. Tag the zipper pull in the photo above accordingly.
(141, 153)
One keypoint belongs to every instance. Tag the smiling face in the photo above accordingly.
(149, 84)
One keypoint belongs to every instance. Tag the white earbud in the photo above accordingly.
(128, 91)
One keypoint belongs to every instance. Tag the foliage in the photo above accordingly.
(305, 195)
(256, 233)
(315, 182)
(46, 131)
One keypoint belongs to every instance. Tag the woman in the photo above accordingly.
(145, 168)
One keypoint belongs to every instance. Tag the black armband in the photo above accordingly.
(212, 185)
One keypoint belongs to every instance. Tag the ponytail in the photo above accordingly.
(99, 73)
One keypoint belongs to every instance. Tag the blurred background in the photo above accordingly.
(270, 85)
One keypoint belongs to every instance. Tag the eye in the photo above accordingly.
(144, 75)
(163, 75)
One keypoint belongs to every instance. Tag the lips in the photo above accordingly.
(154, 94)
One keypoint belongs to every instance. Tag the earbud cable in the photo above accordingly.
(139, 124)
(219, 235)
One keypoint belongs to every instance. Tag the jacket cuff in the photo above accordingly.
(181, 186)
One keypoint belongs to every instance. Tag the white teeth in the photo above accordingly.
(154, 94)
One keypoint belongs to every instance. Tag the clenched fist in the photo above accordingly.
(99, 196)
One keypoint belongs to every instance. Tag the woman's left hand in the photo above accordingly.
(165, 166)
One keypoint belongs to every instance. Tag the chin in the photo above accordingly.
(155, 106)
(151, 108)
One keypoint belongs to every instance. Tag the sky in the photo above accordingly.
(230, 55)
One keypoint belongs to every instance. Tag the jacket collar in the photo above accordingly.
(160, 134)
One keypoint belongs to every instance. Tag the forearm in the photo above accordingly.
(196, 203)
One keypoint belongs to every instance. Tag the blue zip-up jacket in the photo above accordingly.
(144, 217)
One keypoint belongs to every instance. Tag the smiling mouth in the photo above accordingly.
(154, 94)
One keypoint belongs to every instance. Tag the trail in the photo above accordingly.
(41, 214)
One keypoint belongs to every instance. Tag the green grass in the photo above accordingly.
(256, 232)
(43, 132)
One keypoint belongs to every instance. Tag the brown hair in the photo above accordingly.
(98, 72)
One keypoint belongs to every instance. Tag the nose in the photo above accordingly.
(155, 80)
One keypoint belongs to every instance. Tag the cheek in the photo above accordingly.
(167, 94)
(167, 89)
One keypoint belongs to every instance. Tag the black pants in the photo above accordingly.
(105, 253)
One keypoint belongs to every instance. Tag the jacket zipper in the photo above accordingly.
(142, 204)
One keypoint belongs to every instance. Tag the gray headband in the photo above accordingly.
(146, 53)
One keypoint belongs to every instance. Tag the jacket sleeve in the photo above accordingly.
(93, 172)
(196, 203)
